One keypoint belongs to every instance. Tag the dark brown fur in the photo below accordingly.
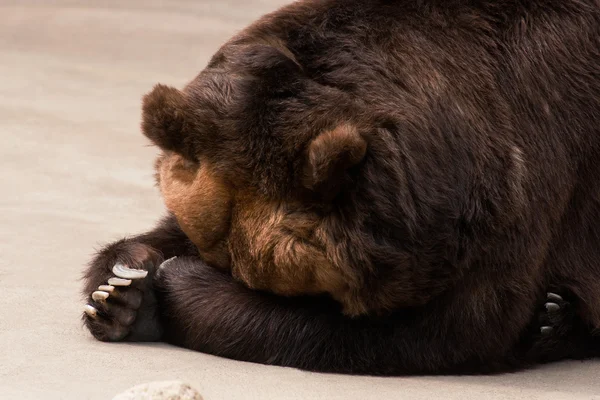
(431, 165)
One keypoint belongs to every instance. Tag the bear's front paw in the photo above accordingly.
(124, 307)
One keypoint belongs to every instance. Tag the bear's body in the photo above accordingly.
(430, 165)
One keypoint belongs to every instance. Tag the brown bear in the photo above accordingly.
(378, 187)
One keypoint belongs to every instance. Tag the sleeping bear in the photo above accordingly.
(375, 187)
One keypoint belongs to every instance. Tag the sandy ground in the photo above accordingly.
(76, 173)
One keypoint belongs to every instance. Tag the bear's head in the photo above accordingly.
(253, 159)
(297, 189)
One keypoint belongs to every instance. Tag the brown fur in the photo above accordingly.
(329, 156)
(272, 152)
(202, 202)
(431, 165)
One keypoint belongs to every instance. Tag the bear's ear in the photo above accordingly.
(165, 118)
(329, 156)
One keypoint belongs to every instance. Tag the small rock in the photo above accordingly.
(170, 390)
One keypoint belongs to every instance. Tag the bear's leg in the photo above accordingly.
(188, 303)
(205, 309)
(118, 284)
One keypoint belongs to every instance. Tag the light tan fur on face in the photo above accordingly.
(286, 251)
(200, 202)
(282, 246)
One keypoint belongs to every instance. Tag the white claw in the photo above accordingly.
(119, 282)
(91, 311)
(106, 288)
(166, 262)
(99, 295)
(546, 330)
(124, 272)
(162, 266)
